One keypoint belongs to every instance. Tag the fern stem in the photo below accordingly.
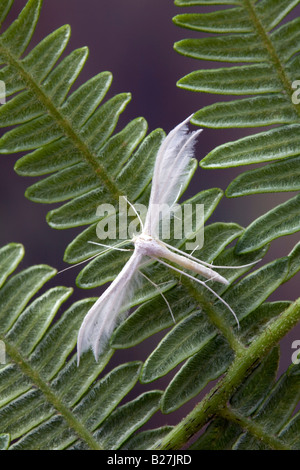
(52, 398)
(241, 367)
(253, 428)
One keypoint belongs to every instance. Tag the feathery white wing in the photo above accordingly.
(101, 319)
(171, 169)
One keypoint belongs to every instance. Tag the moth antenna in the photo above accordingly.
(161, 293)
(138, 215)
(77, 264)
(203, 284)
(97, 254)
(113, 247)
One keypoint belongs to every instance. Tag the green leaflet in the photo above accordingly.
(237, 48)
(281, 401)
(276, 177)
(212, 349)
(225, 21)
(249, 112)
(18, 35)
(254, 323)
(54, 433)
(290, 432)
(78, 179)
(63, 334)
(276, 409)
(10, 257)
(4, 441)
(125, 420)
(251, 79)
(184, 340)
(220, 435)
(145, 440)
(208, 364)
(28, 330)
(4, 9)
(286, 40)
(278, 143)
(270, 13)
(154, 316)
(282, 220)
(66, 129)
(24, 106)
(96, 272)
(46, 401)
(195, 331)
(294, 257)
(253, 289)
(256, 387)
(18, 291)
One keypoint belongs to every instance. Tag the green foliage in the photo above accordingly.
(245, 33)
(46, 401)
(4, 441)
(268, 403)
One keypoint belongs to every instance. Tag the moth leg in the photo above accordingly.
(161, 293)
(203, 284)
(210, 265)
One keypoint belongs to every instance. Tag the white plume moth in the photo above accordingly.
(170, 172)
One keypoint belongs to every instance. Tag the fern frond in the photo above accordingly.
(46, 402)
(254, 34)
(69, 130)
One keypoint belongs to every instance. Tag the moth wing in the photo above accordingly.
(101, 319)
(171, 171)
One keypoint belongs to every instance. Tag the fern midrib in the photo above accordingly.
(63, 123)
(271, 51)
(50, 396)
(253, 428)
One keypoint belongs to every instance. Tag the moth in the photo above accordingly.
(170, 172)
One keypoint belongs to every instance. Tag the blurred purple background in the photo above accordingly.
(134, 40)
